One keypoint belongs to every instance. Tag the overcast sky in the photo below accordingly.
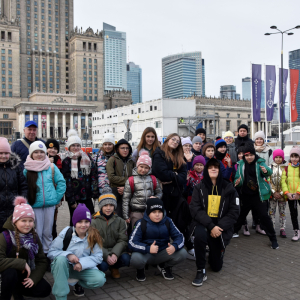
(230, 34)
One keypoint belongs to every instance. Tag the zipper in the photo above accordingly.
(43, 188)
(145, 190)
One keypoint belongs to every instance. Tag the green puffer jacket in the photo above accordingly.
(113, 233)
(263, 186)
(10, 260)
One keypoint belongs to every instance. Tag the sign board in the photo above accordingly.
(85, 136)
(128, 136)
(128, 123)
(163, 139)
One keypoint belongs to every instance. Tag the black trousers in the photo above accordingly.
(216, 249)
(88, 203)
(12, 284)
(119, 197)
(294, 213)
(260, 209)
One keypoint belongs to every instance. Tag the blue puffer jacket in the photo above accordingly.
(155, 232)
(78, 247)
(21, 150)
(47, 195)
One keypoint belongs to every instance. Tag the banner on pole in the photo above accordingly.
(270, 88)
(294, 79)
(256, 92)
(282, 101)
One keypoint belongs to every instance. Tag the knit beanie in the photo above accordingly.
(199, 159)
(259, 134)
(219, 143)
(81, 213)
(52, 143)
(37, 145)
(200, 130)
(154, 204)
(249, 148)
(278, 152)
(207, 145)
(4, 145)
(243, 126)
(185, 141)
(295, 150)
(107, 197)
(73, 138)
(108, 138)
(241, 148)
(197, 139)
(228, 134)
(144, 159)
(22, 210)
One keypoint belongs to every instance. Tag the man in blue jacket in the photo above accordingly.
(150, 242)
(21, 147)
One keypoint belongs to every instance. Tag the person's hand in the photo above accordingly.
(152, 197)
(28, 283)
(170, 249)
(167, 182)
(120, 190)
(153, 248)
(296, 197)
(277, 195)
(290, 196)
(73, 258)
(228, 160)
(51, 159)
(58, 205)
(77, 267)
(237, 181)
(74, 205)
(263, 169)
(216, 232)
(114, 258)
(128, 220)
(188, 155)
(27, 269)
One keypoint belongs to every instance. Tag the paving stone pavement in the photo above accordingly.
(251, 270)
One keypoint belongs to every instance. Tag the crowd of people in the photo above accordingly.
(157, 206)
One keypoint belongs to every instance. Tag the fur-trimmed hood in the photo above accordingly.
(13, 161)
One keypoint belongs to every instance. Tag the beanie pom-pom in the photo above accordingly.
(144, 152)
(20, 200)
(72, 132)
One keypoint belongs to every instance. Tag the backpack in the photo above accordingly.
(131, 183)
(144, 226)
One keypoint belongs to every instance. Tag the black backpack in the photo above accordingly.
(67, 238)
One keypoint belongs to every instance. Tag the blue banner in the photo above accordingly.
(282, 101)
(256, 92)
(27, 118)
(270, 88)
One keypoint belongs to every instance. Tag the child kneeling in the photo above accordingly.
(150, 242)
(76, 252)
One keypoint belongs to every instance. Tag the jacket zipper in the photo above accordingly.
(43, 188)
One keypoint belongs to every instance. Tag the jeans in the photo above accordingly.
(123, 261)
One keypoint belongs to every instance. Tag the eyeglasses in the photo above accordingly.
(124, 148)
(174, 140)
(228, 137)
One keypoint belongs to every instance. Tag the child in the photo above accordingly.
(22, 260)
(150, 242)
(197, 144)
(231, 148)
(290, 183)
(12, 181)
(42, 195)
(113, 231)
(187, 152)
(278, 166)
(75, 254)
(138, 189)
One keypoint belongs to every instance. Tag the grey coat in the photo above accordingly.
(266, 154)
(232, 151)
(143, 190)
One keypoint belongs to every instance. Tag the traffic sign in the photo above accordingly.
(85, 136)
(128, 136)
(128, 123)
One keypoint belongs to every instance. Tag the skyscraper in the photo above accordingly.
(192, 78)
(294, 63)
(228, 91)
(115, 69)
(134, 82)
(246, 88)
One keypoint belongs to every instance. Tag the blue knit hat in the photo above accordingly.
(219, 143)
(81, 213)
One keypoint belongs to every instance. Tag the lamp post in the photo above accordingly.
(281, 105)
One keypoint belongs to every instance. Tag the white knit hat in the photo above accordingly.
(73, 138)
(108, 138)
(37, 145)
(259, 134)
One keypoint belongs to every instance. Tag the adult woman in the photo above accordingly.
(262, 149)
(149, 142)
(107, 150)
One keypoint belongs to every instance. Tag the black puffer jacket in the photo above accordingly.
(12, 184)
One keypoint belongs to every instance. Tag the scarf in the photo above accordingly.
(85, 163)
(296, 165)
(27, 242)
(259, 148)
(36, 165)
(220, 156)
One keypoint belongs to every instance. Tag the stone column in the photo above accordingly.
(21, 122)
(64, 125)
(55, 124)
(48, 124)
(217, 127)
(87, 122)
(40, 124)
(71, 120)
(31, 115)
(79, 124)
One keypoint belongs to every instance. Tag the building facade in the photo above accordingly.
(294, 63)
(134, 82)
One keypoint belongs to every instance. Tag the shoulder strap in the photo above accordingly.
(67, 238)
(25, 143)
(131, 183)
(8, 241)
(154, 182)
(53, 173)
(270, 152)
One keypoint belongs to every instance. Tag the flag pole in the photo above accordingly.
(291, 107)
(252, 123)
(279, 105)
(266, 118)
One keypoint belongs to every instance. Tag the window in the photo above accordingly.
(157, 124)
(227, 125)
(151, 108)
(239, 123)
(249, 116)
(5, 116)
(239, 115)
(227, 116)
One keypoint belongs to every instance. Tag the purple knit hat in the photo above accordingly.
(81, 213)
(199, 160)
(278, 152)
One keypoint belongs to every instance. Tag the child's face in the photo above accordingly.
(213, 172)
(150, 138)
(278, 160)
(198, 168)
(228, 139)
(249, 158)
(82, 226)
(108, 147)
(4, 157)
(294, 158)
(38, 155)
(259, 142)
(202, 135)
(143, 169)
(240, 155)
(25, 225)
(75, 148)
(197, 146)
(52, 151)
(210, 152)
(156, 216)
(108, 209)
(222, 149)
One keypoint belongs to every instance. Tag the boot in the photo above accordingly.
(115, 273)
(246, 231)
(259, 230)
(296, 236)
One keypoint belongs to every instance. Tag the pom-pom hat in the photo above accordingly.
(107, 197)
(295, 150)
(22, 210)
(144, 159)
(73, 138)
(37, 145)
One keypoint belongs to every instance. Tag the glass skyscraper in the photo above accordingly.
(115, 67)
(246, 88)
(134, 82)
(294, 63)
(228, 91)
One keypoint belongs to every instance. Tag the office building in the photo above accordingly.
(227, 91)
(294, 63)
(190, 64)
(115, 68)
(134, 82)
(203, 78)
(246, 88)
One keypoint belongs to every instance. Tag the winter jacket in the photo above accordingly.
(57, 161)
(47, 195)
(139, 242)
(79, 247)
(291, 182)
(266, 154)
(228, 212)
(263, 185)
(9, 260)
(82, 188)
(225, 164)
(226, 172)
(21, 150)
(193, 180)
(275, 179)
(101, 160)
(231, 150)
(113, 233)
(197, 152)
(143, 189)
(239, 140)
(12, 184)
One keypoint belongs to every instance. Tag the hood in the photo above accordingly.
(123, 141)
(13, 161)
(8, 224)
(256, 159)
(135, 172)
(146, 217)
(207, 181)
(97, 215)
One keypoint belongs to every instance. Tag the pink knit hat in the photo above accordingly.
(295, 150)
(4, 145)
(278, 152)
(144, 159)
(22, 210)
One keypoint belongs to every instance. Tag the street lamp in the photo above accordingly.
(282, 106)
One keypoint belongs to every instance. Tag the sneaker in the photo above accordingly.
(200, 277)
(282, 233)
(166, 272)
(295, 238)
(246, 231)
(115, 273)
(259, 230)
(78, 290)
(235, 235)
(140, 275)
(274, 245)
(191, 252)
